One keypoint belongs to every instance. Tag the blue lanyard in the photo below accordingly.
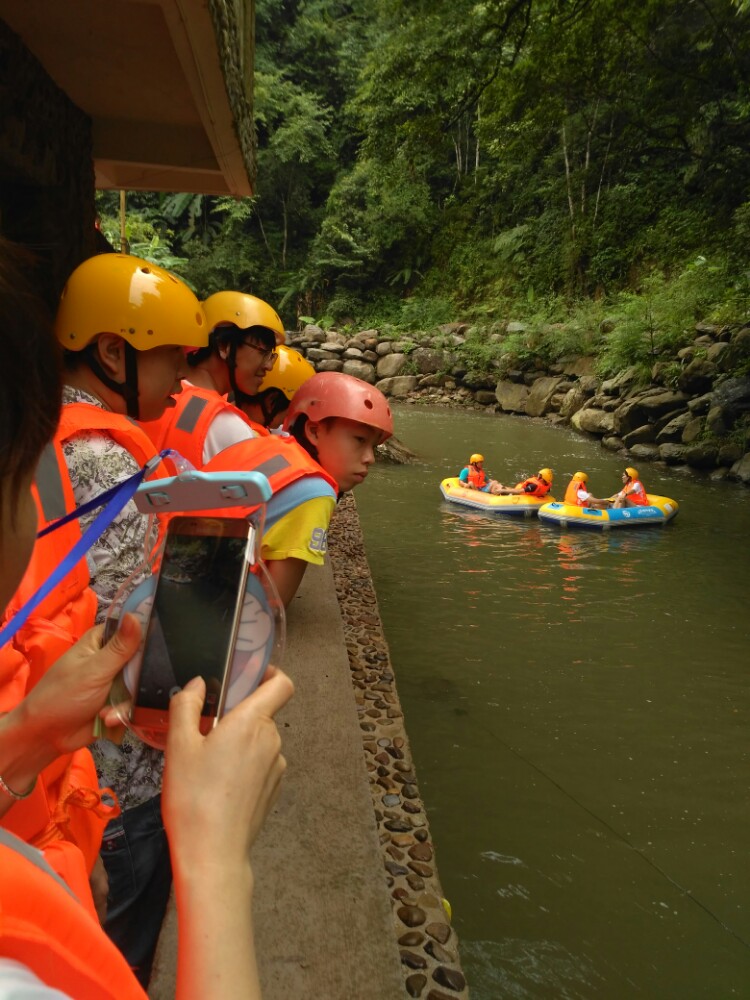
(113, 500)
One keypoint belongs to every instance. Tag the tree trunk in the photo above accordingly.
(285, 217)
(568, 181)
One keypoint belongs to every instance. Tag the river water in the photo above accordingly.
(577, 705)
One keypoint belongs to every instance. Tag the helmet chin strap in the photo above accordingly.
(272, 402)
(127, 389)
(231, 360)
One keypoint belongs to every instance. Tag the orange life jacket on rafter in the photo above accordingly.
(541, 488)
(44, 927)
(185, 426)
(477, 477)
(571, 493)
(635, 492)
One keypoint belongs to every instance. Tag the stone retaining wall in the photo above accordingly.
(427, 943)
(695, 413)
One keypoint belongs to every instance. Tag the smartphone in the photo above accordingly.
(195, 617)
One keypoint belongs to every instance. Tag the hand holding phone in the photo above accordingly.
(211, 615)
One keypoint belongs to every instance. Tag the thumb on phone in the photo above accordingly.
(185, 712)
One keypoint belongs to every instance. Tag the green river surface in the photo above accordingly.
(577, 705)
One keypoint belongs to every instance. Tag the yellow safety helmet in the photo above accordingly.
(141, 302)
(476, 458)
(630, 471)
(289, 372)
(582, 476)
(241, 310)
(546, 475)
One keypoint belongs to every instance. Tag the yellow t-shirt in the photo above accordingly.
(302, 533)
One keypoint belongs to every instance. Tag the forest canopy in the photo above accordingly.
(420, 160)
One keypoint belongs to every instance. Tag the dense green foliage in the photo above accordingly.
(421, 161)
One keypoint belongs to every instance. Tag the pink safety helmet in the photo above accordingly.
(333, 394)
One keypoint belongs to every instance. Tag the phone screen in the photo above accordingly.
(193, 617)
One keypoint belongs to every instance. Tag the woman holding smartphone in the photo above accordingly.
(49, 944)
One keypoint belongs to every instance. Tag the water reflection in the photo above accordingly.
(547, 568)
(577, 705)
(530, 970)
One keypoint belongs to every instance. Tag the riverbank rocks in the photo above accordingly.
(399, 386)
(542, 392)
(593, 421)
(696, 398)
(427, 943)
(360, 369)
(646, 409)
(512, 397)
(390, 365)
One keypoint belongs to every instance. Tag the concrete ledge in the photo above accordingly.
(348, 902)
(322, 911)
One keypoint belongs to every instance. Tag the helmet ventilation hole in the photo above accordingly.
(368, 404)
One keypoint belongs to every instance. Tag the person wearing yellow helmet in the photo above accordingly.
(578, 493)
(633, 492)
(240, 354)
(535, 486)
(473, 476)
(52, 942)
(269, 405)
(242, 347)
(124, 325)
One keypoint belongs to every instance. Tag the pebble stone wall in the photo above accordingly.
(427, 943)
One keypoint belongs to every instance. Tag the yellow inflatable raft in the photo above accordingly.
(520, 506)
(660, 510)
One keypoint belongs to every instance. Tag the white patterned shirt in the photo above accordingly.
(96, 462)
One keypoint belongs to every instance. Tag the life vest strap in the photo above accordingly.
(113, 501)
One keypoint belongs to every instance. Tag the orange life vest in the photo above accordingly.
(79, 417)
(541, 488)
(46, 929)
(65, 814)
(477, 478)
(185, 426)
(282, 460)
(635, 495)
(65, 614)
(571, 493)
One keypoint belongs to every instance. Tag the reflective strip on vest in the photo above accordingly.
(191, 414)
(50, 486)
(272, 465)
(33, 856)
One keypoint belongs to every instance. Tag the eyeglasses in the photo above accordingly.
(268, 357)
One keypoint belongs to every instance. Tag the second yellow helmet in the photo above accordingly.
(241, 310)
